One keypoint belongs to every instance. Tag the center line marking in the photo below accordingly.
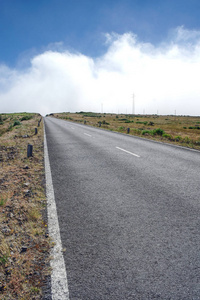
(87, 134)
(128, 152)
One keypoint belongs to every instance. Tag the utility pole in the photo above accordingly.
(133, 107)
(102, 108)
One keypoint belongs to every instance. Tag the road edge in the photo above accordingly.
(136, 136)
(59, 284)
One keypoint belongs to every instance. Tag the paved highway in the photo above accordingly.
(128, 211)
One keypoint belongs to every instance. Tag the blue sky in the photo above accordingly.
(94, 30)
(31, 25)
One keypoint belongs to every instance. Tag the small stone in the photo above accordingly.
(7, 271)
(27, 193)
(24, 249)
(10, 215)
(6, 230)
(26, 167)
(1, 287)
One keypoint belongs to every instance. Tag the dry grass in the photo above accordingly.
(180, 130)
(24, 243)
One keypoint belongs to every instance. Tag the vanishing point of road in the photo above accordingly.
(128, 211)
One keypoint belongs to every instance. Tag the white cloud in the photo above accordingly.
(182, 34)
(163, 78)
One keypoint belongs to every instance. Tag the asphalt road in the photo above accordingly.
(128, 211)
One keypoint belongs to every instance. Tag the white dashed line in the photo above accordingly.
(128, 152)
(59, 285)
(87, 134)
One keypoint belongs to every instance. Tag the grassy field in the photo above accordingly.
(24, 243)
(179, 130)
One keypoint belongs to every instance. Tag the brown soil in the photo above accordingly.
(24, 242)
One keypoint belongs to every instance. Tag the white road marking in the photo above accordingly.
(59, 285)
(87, 134)
(72, 127)
(128, 152)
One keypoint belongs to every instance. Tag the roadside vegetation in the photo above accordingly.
(179, 130)
(24, 242)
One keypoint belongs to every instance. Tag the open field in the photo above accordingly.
(179, 130)
(24, 243)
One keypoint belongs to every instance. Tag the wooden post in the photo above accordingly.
(29, 150)
(1, 158)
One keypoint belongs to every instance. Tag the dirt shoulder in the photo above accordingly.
(24, 242)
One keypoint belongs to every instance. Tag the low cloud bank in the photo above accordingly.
(163, 78)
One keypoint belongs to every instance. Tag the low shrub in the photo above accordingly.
(194, 127)
(91, 114)
(137, 131)
(151, 123)
(178, 138)
(167, 136)
(10, 127)
(105, 123)
(186, 140)
(158, 131)
(16, 123)
(139, 122)
(146, 132)
(27, 117)
(67, 118)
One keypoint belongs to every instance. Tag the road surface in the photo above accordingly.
(128, 211)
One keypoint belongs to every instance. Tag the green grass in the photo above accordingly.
(3, 201)
(3, 259)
